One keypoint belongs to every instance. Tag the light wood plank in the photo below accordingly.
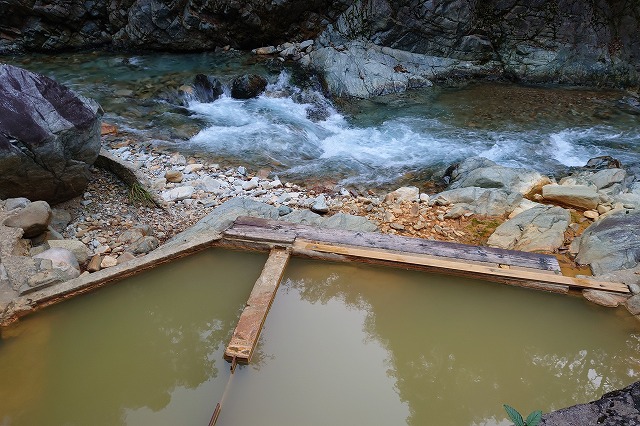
(247, 331)
(251, 228)
(480, 271)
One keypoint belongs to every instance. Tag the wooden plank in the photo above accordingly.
(483, 272)
(247, 331)
(248, 227)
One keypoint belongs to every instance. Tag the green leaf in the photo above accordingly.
(534, 418)
(514, 415)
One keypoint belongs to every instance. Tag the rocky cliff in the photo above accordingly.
(35, 25)
(364, 47)
(379, 46)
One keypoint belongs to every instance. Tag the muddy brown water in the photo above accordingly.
(343, 344)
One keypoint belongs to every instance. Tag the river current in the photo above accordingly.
(294, 130)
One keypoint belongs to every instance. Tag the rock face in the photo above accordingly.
(382, 46)
(615, 408)
(154, 24)
(537, 229)
(48, 137)
(612, 243)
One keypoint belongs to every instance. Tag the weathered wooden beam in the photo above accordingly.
(247, 331)
(256, 229)
(535, 278)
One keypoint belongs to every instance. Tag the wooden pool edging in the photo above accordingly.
(250, 233)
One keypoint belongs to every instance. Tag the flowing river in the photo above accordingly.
(296, 131)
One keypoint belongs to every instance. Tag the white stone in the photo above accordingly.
(178, 194)
(108, 262)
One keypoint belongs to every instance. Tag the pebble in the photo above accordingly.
(591, 214)
(174, 176)
(108, 262)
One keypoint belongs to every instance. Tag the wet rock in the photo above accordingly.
(603, 162)
(33, 219)
(79, 250)
(615, 408)
(266, 50)
(483, 173)
(633, 304)
(248, 86)
(580, 196)
(537, 229)
(206, 88)
(603, 298)
(48, 139)
(612, 243)
(320, 205)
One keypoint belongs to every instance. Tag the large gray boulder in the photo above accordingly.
(49, 136)
(480, 201)
(539, 229)
(611, 243)
(484, 173)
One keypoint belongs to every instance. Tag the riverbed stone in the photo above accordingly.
(16, 203)
(349, 222)
(320, 205)
(78, 248)
(174, 176)
(178, 194)
(206, 88)
(60, 258)
(481, 201)
(108, 262)
(612, 243)
(125, 257)
(484, 173)
(94, 263)
(143, 245)
(403, 194)
(33, 219)
(580, 196)
(539, 229)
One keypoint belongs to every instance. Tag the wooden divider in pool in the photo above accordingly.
(531, 270)
(245, 336)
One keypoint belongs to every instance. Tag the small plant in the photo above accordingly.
(138, 196)
(532, 419)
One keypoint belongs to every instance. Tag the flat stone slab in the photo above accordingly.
(581, 196)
